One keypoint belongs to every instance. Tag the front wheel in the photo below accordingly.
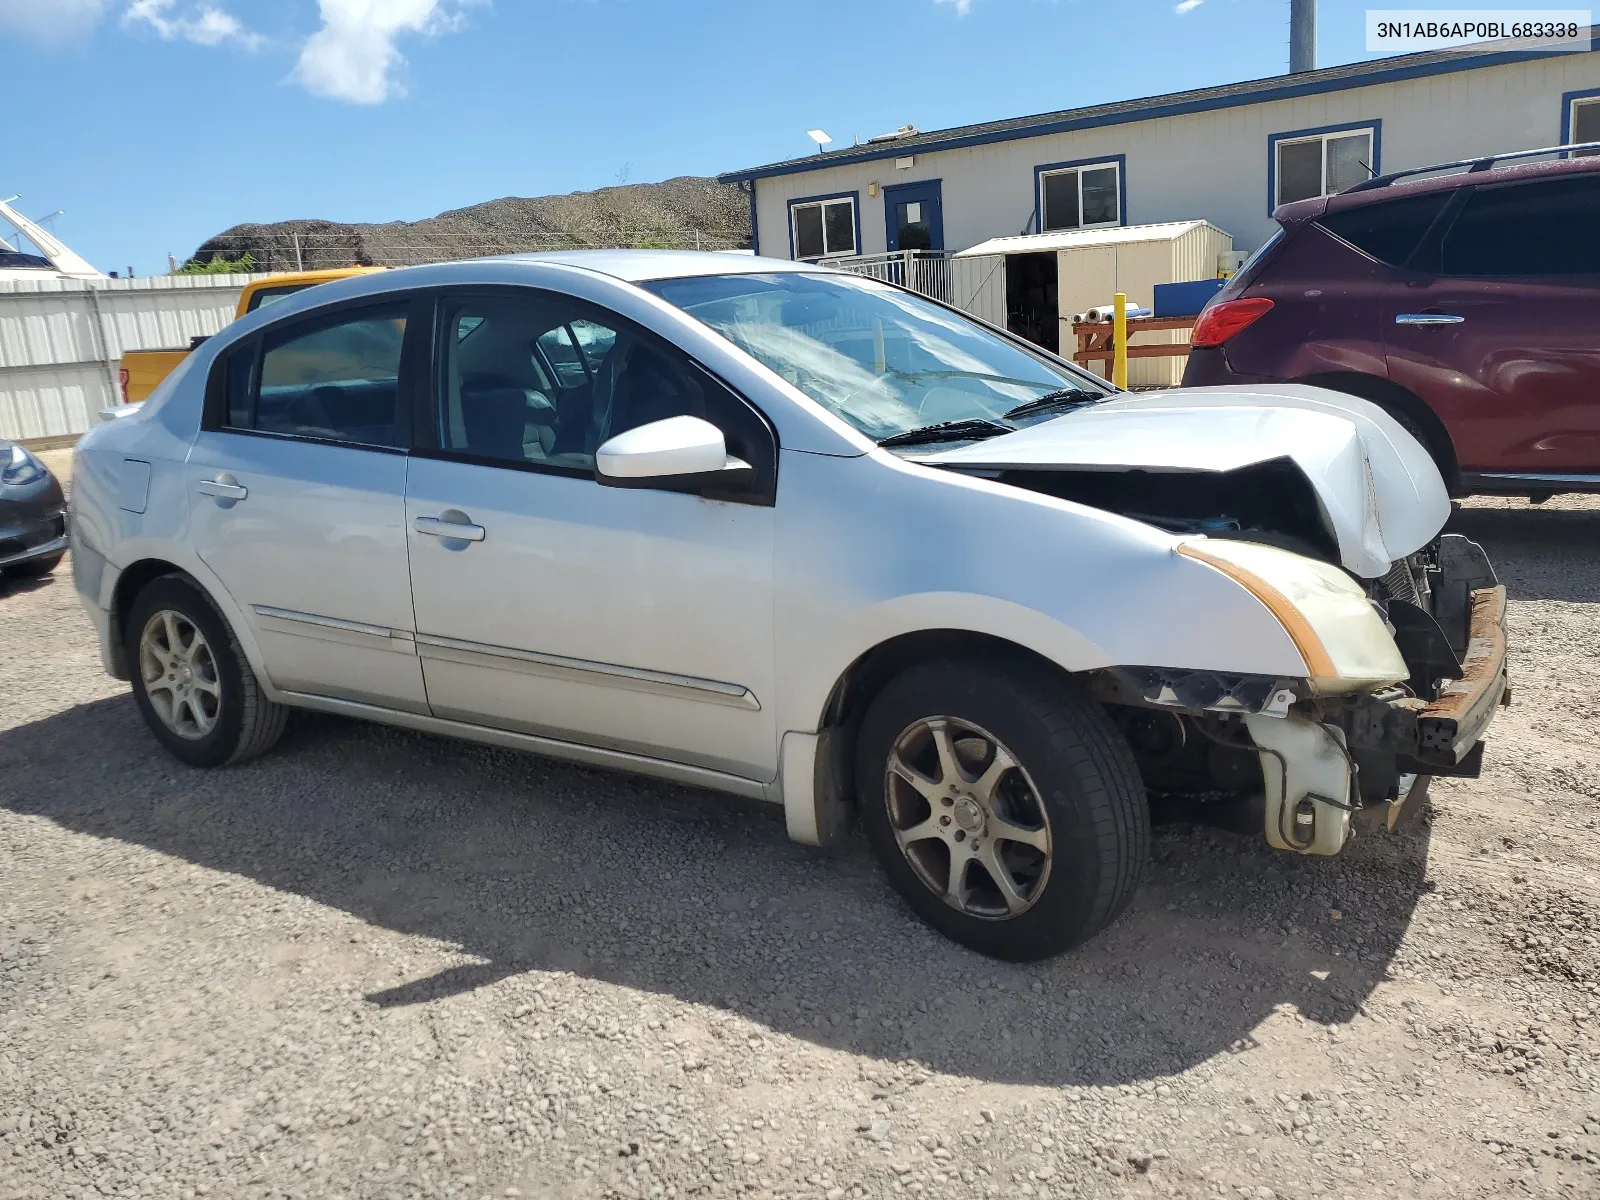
(1003, 804)
(192, 681)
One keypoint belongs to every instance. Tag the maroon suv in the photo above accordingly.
(1468, 305)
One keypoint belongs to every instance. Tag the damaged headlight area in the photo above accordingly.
(1398, 691)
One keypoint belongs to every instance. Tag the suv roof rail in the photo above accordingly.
(1472, 164)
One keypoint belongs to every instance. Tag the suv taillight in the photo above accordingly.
(1219, 322)
(122, 378)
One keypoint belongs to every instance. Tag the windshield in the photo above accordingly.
(887, 361)
(268, 296)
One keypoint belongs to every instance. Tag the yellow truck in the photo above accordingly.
(142, 370)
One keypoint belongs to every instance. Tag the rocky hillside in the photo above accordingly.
(682, 213)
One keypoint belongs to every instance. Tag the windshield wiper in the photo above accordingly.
(966, 429)
(1065, 398)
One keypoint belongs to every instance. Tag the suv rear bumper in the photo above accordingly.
(1208, 367)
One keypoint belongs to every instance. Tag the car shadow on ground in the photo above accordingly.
(1539, 553)
(16, 584)
(527, 864)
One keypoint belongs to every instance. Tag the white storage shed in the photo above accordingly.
(1048, 277)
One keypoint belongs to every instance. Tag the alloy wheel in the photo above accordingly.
(967, 817)
(180, 674)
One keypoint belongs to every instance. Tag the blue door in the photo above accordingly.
(913, 215)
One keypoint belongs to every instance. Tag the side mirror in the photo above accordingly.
(679, 453)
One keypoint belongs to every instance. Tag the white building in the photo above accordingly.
(1228, 155)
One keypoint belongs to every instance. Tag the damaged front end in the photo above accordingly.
(1304, 768)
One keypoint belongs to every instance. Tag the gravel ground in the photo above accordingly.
(379, 964)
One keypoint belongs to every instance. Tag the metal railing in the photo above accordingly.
(974, 285)
(925, 271)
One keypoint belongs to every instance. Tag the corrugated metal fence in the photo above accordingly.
(61, 339)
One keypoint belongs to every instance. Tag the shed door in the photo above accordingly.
(913, 216)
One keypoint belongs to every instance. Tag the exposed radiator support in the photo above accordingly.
(1302, 36)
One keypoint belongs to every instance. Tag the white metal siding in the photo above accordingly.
(60, 341)
(1091, 276)
(1210, 165)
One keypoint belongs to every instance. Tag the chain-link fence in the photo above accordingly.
(270, 251)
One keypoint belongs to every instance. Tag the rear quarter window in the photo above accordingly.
(1390, 230)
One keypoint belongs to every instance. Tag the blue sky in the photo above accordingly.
(155, 123)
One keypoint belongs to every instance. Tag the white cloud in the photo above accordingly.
(1185, 7)
(50, 20)
(355, 56)
(203, 24)
(963, 7)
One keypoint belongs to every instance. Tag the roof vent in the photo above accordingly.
(904, 131)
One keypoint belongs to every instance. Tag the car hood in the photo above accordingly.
(1380, 493)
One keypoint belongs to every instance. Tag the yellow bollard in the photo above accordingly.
(1119, 340)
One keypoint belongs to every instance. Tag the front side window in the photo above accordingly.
(1544, 228)
(824, 228)
(886, 361)
(335, 380)
(1321, 164)
(1080, 197)
(542, 383)
(1585, 124)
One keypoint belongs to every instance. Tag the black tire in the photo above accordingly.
(37, 567)
(246, 722)
(1082, 773)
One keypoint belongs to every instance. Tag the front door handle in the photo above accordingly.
(1428, 319)
(222, 488)
(440, 528)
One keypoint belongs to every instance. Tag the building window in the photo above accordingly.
(824, 228)
(1082, 196)
(1321, 163)
(1583, 120)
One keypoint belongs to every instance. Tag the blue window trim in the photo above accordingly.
(1566, 110)
(888, 203)
(1289, 135)
(1154, 108)
(853, 197)
(1040, 171)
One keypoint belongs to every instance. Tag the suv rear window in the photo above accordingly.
(1547, 227)
(1390, 230)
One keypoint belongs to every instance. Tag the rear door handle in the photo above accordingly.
(1428, 319)
(222, 489)
(439, 528)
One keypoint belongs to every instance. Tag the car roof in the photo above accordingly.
(1419, 185)
(280, 279)
(637, 266)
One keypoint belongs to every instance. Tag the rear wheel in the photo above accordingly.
(191, 679)
(1003, 804)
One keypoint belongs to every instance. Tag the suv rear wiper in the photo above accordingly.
(1065, 398)
(968, 428)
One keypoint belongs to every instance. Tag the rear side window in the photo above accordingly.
(1388, 231)
(1549, 227)
(334, 380)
